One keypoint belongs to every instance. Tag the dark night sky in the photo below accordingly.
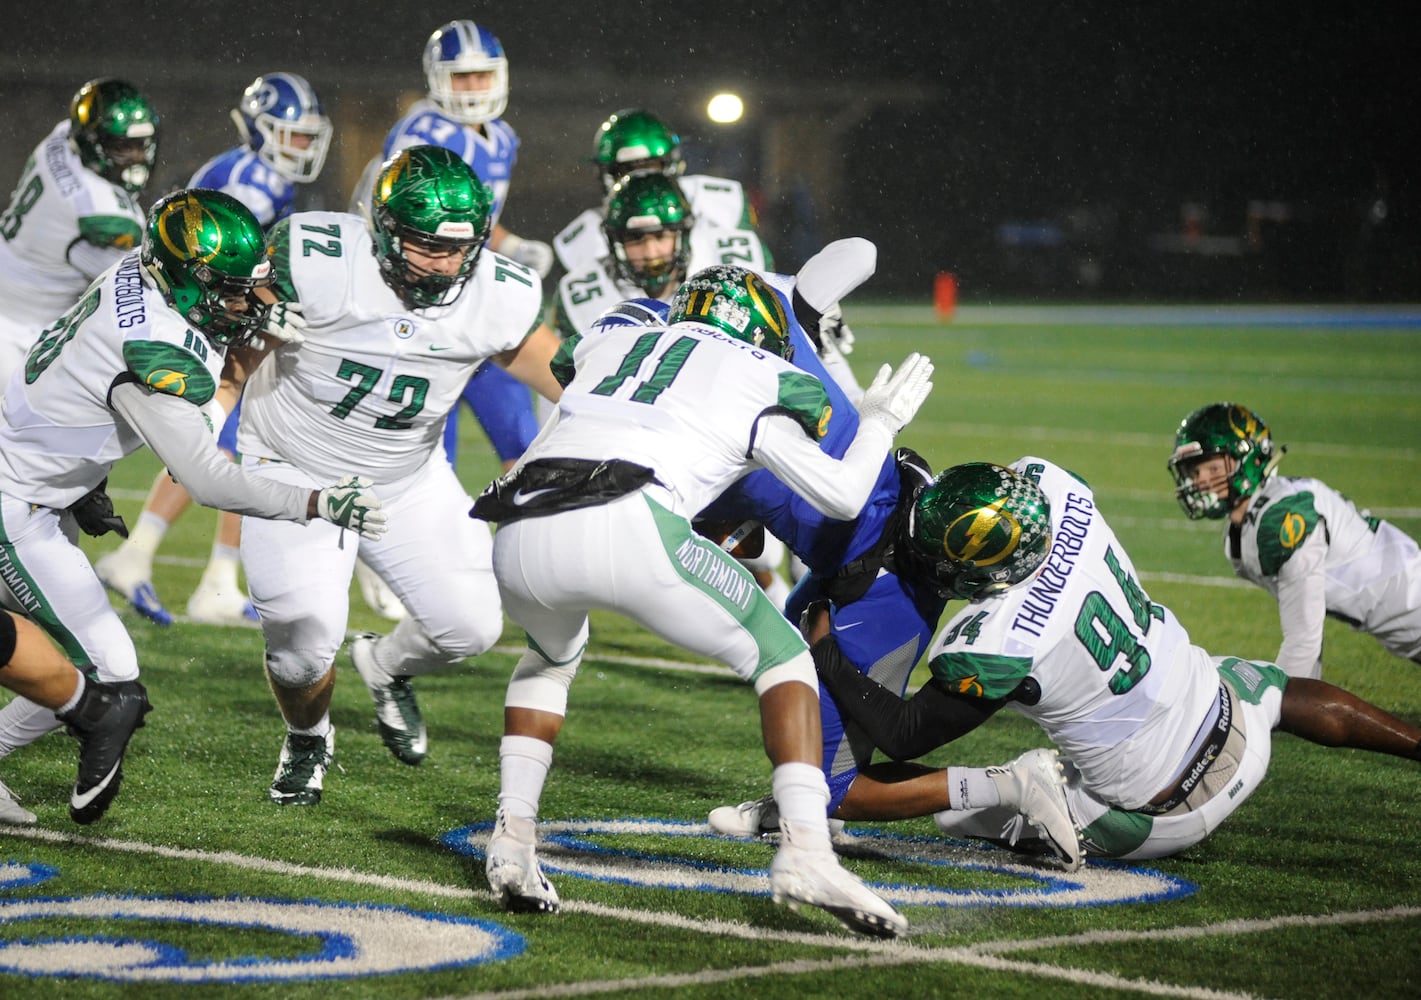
(1043, 106)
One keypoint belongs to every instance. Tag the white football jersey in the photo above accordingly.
(1313, 550)
(369, 389)
(715, 201)
(58, 437)
(57, 204)
(586, 294)
(685, 401)
(1121, 694)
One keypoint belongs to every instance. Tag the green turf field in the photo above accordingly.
(196, 886)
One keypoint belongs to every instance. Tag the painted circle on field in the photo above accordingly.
(344, 940)
(18, 874)
(943, 870)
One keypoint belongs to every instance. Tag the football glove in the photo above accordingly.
(533, 254)
(894, 397)
(285, 323)
(833, 330)
(351, 504)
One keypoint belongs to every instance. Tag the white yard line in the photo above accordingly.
(984, 955)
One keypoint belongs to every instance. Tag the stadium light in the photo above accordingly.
(725, 109)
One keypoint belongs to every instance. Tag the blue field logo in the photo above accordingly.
(946, 873)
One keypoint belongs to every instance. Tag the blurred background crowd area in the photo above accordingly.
(1094, 151)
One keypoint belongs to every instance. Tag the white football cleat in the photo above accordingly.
(11, 811)
(1035, 785)
(396, 710)
(213, 604)
(760, 818)
(803, 876)
(512, 868)
(377, 593)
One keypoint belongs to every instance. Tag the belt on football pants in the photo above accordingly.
(1198, 766)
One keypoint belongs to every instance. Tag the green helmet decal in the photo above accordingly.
(644, 204)
(977, 529)
(429, 198)
(204, 248)
(115, 130)
(635, 139)
(1221, 429)
(736, 301)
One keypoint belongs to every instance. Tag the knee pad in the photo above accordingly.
(540, 685)
(296, 668)
(7, 638)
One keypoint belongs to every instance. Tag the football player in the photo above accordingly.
(75, 210)
(285, 138)
(1297, 538)
(651, 425)
(466, 73)
(401, 310)
(137, 360)
(1164, 741)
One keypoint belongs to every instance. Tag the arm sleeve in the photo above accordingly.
(901, 729)
(1302, 608)
(92, 261)
(179, 436)
(837, 488)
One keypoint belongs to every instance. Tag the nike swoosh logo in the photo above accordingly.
(82, 801)
(845, 628)
(436, 347)
(520, 498)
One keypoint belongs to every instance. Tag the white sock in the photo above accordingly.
(146, 536)
(802, 795)
(523, 764)
(321, 728)
(222, 564)
(971, 788)
(22, 722)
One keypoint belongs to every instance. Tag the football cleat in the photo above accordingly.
(211, 604)
(512, 868)
(396, 710)
(131, 582)
(378, 595)
(10, 809)
(103, 722)
(760, 818)
(301, 769)
(801, 876)
(1035, 784)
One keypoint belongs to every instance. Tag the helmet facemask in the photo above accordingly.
(1237, 434)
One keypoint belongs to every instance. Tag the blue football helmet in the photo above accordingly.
(632, 312)
(463, 47)
(281, 119)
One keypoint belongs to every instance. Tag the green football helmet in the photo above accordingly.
(206, 252)
(736, 301)
(634, 139)
(115, 130)
(976, 530)
(1221, 429)
(428, 197)
(643, 204)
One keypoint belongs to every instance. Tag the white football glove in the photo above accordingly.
(833, 329)
(285, 323)
(533, 254)
(894, 397)
(351, 504)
